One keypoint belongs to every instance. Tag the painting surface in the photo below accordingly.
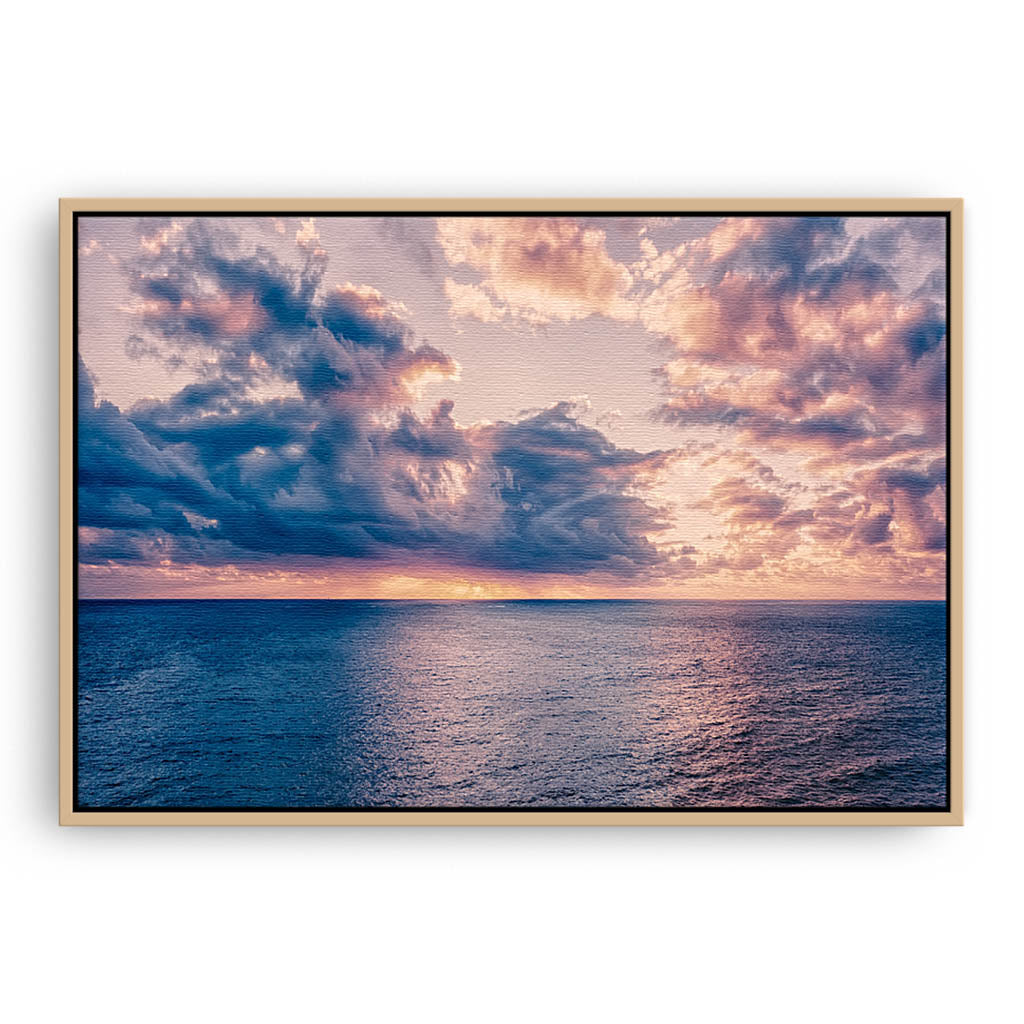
(512, 512)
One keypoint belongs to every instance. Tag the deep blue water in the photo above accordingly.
(562, 703)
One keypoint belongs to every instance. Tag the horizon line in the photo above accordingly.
(550, 600)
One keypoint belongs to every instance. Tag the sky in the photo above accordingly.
(510, 407)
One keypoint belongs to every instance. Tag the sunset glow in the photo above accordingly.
(481, 408)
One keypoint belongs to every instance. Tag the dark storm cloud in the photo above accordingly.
(564, 491)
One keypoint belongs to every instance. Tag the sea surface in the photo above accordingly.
(306, 704)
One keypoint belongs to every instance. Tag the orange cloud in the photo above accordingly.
(539, 269)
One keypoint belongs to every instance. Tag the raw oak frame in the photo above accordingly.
(953, 815)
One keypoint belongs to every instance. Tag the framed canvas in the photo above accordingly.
(511, 511)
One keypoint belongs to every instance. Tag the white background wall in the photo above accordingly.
(527, 99)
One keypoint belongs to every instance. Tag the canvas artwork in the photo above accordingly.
(609, 509)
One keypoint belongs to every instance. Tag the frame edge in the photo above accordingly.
(70, 206)
(66, 483)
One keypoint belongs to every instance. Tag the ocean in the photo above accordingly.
(506, 704)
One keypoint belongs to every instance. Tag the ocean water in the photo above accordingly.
(511, 704)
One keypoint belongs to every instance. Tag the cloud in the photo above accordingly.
(537, 268)
(761, 526)
(791, 333)
(570, 498)
(298, 443)
(912, 500)
(802, 365)
(473, 302)
(155, 243)
(308, 237)
(412, 238)
(745, 504)
(889, 522)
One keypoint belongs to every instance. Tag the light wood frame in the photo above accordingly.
(954, 815)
